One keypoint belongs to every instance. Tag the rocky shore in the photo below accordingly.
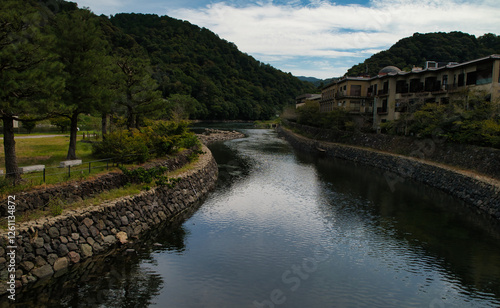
(214, 135)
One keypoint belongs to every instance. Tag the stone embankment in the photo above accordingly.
(49, 247)
(482, 160)
(480, 192)
(39, 198)
(213, 135)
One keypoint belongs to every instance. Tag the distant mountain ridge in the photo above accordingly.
(316, 81)
(419, 48)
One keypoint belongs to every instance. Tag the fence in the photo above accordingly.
(60, 174)
(54, 175)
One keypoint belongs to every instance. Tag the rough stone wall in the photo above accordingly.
(480, 159)
(78, 190)
(479, 192)
(48, 247)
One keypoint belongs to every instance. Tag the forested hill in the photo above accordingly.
(194, 61)
(440, 47)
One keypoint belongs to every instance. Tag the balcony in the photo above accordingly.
(354, 94)
(383, 92)
(353, 109)
(382, 110)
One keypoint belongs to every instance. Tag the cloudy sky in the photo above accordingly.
(317, 38)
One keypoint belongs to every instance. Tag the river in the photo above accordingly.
(286, 229)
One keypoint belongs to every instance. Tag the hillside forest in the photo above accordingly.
(419, 48)
(60, 62)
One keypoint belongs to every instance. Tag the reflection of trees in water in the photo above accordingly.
(121, 279)
(462, 242)
(232, 166)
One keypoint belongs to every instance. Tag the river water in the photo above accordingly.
(286, 229)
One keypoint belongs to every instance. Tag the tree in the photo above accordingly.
(84, 53)
(62, 122)
(182, 107)
(29, 74)
(137, 89)
(29, 125)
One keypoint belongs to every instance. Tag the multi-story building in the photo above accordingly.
(385, 96)
(302, 99)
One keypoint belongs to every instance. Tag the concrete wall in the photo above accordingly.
(481, 194)
(49, 247)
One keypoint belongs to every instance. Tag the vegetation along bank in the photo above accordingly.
(480, 192)
(49, 247)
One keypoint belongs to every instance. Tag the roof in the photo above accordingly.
(389, 70)
(393, 70)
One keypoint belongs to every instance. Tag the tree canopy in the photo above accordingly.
(30, 78)
(439, 47)
(189, 60)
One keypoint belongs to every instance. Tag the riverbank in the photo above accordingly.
(50, 246)
(481, 160)
(214, 135)
(479, 191)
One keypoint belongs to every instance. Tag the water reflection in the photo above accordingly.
(125, 278)
(415, 221)
(287, 229)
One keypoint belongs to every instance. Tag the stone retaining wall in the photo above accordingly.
(480, 159)
(479, 192)
(77, 190)
(48, 247)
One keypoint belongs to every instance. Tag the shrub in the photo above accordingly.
(55, 206)
(160, 138)
(123, 146)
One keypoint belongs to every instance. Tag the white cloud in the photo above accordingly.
(332, 31)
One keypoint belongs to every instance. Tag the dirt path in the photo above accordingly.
(38, 136)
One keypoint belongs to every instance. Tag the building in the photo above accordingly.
(302, 99)
(384, 97)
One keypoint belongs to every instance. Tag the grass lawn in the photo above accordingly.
(48, 151)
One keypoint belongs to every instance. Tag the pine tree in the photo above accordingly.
(30, 78)
(137, 89)
(84, 52)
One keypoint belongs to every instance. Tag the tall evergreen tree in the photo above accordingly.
(137, 89)
(29, 73)
(84, 53)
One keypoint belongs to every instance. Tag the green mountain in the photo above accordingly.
(190, 60)
(319, 83)
(439, 47)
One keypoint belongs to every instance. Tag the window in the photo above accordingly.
(416, 85)
(445, 82)
(401, 86)
(471, 78)
(370, 91)
(430, 84)
(461, 79)
(386, 87)
(484, 74)
(355, 90)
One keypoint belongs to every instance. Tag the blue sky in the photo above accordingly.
(317, 38)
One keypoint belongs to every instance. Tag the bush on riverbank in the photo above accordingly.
(310, 114)
(472, 119)
(158, 139)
